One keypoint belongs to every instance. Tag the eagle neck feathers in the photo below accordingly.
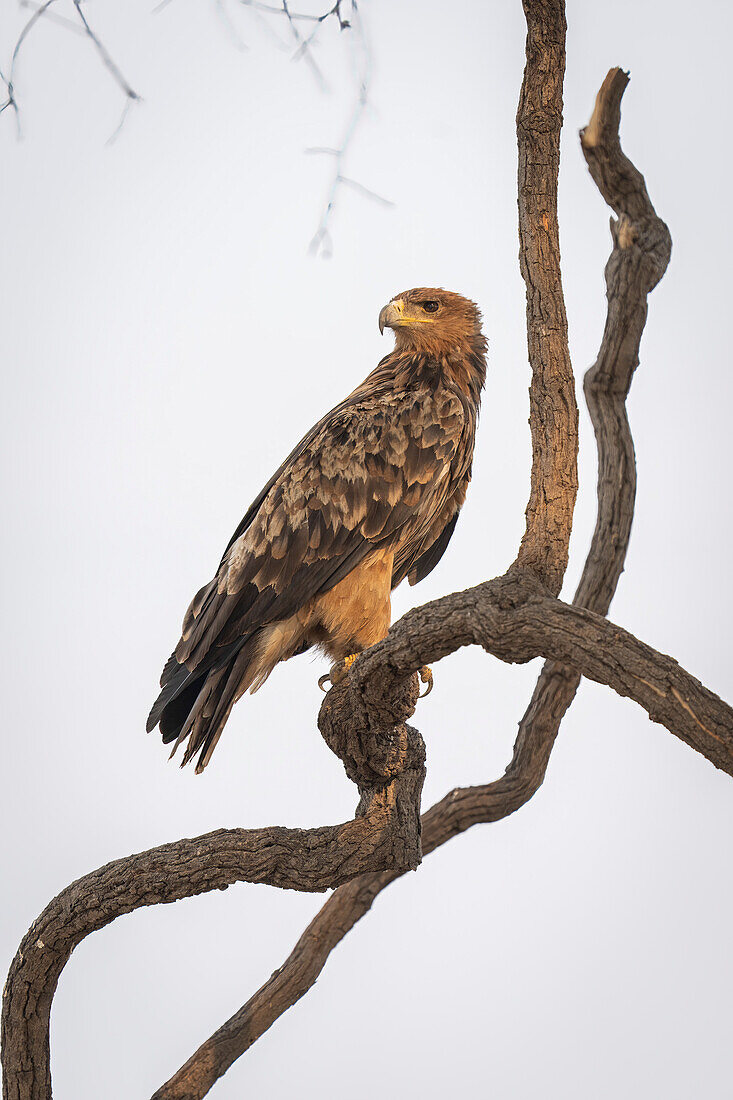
(459, 367)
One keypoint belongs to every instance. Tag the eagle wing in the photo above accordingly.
(372, 472)
(430, 557)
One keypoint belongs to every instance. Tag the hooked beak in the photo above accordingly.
(392, 314)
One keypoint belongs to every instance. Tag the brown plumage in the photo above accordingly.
(370, 496)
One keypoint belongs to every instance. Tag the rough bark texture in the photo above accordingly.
(553, 413)
(515, 617)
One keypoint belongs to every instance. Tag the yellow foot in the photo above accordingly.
(338, 672)
(426, 675)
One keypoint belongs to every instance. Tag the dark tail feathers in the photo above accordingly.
(195, 704)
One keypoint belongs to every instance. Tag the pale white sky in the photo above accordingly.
(165, 341)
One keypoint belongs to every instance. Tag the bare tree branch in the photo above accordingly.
(303, 50)
(321, 243)
(387, 764)
(229, 27)
(553, 411)
(105, 55)
(10, 101)
(37, 14)
(634, 268)
(52, 16)
(303, 44)
(10, 81)
(42, 10)
(514, 617)
(272, 9)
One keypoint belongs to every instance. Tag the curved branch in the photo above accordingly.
(641, 252)
(512, 617)
(598, 650)
(602, 652)
(388, 765)
(631, 273)
(511, 623)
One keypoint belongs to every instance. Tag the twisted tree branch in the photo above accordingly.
(387, 762)
(514, 617)
(631, 274)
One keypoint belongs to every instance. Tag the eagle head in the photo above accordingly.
(429, 318)
(439, 326)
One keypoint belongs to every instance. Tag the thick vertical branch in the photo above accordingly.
(553, 411)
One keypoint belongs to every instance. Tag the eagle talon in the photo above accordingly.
(426, 676)
(338, 672)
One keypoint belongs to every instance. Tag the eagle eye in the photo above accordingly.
(431, 307)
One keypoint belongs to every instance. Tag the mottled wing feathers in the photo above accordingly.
(385, 471)
(375, 386)
(371, 493)
(370, 474)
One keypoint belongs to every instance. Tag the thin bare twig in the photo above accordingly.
(347, 19)
(105, 55)
(366, 191)
(37, 14)
(10, 101)
(321, 242)
(53, 17)
(344, 24)
(123, 118)
(292, 16)
(231, 30)
(9, 82)
(83, 28)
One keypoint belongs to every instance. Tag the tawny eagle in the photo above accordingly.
(369, 496)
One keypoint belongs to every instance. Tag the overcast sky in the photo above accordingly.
(165, 340)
